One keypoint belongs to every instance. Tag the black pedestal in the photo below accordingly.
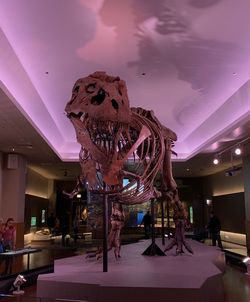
(153, 250)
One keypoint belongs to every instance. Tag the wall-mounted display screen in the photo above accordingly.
(139, 217)
(125, 181)
(33, 221)
(191, 215)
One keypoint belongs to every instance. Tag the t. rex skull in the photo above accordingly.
(99, 110)
(101, 97)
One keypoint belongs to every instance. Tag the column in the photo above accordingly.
(246, 180)
(13, 174)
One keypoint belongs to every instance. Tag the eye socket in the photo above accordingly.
(99, 98)
(90, 88)
(115, 104)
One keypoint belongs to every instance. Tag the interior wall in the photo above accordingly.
(39, 195)
(231, 211)
(52, 195)
(227, 195)
(219, 184)
(37, 185)
(33, 208)
(1, 180)
(246, 173)
(191, 192)
(13, 188)
(13, 175)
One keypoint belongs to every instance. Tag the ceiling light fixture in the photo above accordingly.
(216, 161)
(237, 151)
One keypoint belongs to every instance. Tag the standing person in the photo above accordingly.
(9, 242)
(1, 234)
(147, 221)
(57, 227)
(76, 228)
(214, 227)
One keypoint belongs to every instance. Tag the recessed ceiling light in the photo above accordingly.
(216, 161)
(237, 151)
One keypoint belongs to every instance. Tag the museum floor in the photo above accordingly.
(236, 282)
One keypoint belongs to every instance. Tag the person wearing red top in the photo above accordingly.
(1, 236)
(9, 242)
(1, 229)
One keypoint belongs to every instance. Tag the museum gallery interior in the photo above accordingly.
(125, 150)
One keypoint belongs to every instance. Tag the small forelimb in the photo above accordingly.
(78, 188)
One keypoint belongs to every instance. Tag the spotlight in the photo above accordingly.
(247, 263)
(237, 151)
(17, 283)
(208, 202)
(216, 161)
(245, 260)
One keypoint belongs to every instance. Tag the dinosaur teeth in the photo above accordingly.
(82, 117)
(108, 136)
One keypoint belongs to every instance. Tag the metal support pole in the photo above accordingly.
(162, 223)
(153, 220)
(168, 219)
(153, 249)
(105, 230)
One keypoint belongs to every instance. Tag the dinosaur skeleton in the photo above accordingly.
(112, 134)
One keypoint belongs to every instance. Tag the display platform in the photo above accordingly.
(134, 277)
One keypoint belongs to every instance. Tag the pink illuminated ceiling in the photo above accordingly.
(187, 60)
